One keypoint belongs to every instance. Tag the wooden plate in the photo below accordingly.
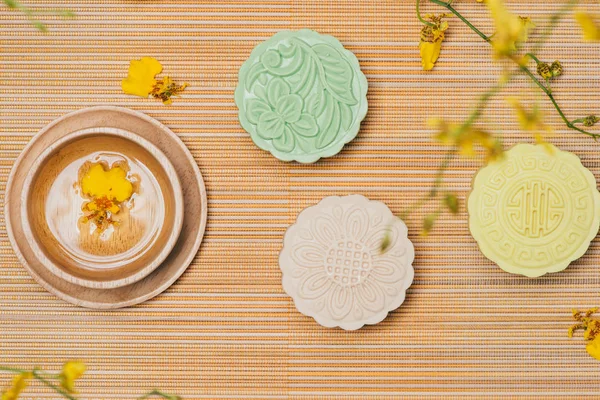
(194, 196)
(137, 247)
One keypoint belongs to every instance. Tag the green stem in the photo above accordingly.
(434, 188)
(534, 58)
(440, 174)
(449, 7)
(421, 18)
(157, 392)
(483, 100)
(569, 124)
(15, 370)
(473, 117)
(523, 68)
(554, 20)
(58, 390)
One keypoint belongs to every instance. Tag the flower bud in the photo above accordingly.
(590, 120)
(556, 69)
(543, 69)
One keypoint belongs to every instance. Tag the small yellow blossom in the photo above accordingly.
(465, 139)
(592, 330)
(431, 41)
(531, 121)
(19, 384)
(140, 79)
(510, 28)
(593, 348)
(72, 370)
(527, 26)
(591, 29)
(165, 88)
(106, 189)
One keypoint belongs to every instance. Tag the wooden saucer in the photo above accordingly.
(194, 196)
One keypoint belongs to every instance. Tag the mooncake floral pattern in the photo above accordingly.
(535, 211)
(301, 96)
(333, 266)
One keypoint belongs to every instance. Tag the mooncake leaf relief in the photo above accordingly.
(336, 74)
(305, 85)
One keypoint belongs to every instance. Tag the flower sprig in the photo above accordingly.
(62, 383)
(34, 16)
(432, 36)
(467, 138)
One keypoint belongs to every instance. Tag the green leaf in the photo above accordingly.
(40, 25)
(11, 3)
(428, 223)
(451, 201)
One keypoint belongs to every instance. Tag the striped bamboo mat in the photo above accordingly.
(226, 329)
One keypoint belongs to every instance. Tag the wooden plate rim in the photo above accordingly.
(160, 286)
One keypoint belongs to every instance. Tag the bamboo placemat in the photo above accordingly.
(226, 329)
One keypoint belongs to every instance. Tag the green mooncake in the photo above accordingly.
(535, 211)
(301, 96)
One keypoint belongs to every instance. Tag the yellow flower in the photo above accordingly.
(72, 370)
(531, 121)
(112, 184)
(527, 26)
(592, 330)
(591, 30)
(510, 28)
(465, 138)
(19, 384)
(165, 88)
(593, 348)
(140, 79)
(106, 189)
(431, 41)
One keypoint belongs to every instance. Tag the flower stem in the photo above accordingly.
(420, 17)
(450, 154)
(15, 370)
(157, 392)
(36, 375)
(449, 7)
(522, 67)
(533, 57)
